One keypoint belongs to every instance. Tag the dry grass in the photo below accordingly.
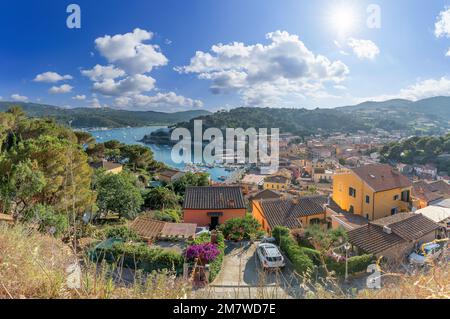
(433, 283)
(34, 266)
(430, 283)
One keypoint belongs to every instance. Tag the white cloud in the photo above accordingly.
(364, 49)
(19, 98)
(283, 67)
(79, 97)
(65, 88)
(130, 53)
(101, 73)
(95, 103)
(442, 25)
(169, 99)
(448, 53)
(127, 77)
(130, 85)
(420, 90)
(51, 77)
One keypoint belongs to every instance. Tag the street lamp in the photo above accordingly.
(346, 247)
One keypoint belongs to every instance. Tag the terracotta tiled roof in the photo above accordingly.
(413, 227)
(107, 165)
(283, 212)
(167, 172)
(440, 186)
(266, 194)
(381, 177)
(220, 197)
(147, 227)
(404, 227)
(425, 192)
(179, 230)
(373, 239)
(348, 220)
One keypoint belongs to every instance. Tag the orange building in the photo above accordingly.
(211, 206)
(291, 213)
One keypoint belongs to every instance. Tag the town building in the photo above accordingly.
(296, 213)
(212, 206)
(280, 183)
(109, 167)
(372, 191)
(425, 193)
(322, 175)
(169, 175)
(393, 237)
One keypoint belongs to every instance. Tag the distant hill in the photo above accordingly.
(104, 117)
(428, 116)
(431, 115)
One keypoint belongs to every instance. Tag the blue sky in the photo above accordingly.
(180, 55)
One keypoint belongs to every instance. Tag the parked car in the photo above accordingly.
(270, 256)
(428, 252)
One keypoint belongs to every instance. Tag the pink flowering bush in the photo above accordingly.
(206, 252)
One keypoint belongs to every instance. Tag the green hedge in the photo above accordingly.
(313, 254)
(300, 260)
(356, 264)
(140, 256)
(216, 265)
(123, 232)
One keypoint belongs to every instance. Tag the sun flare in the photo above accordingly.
(343, 19)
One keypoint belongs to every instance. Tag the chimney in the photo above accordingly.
(387, 230)
(231, 203)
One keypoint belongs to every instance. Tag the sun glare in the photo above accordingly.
(343, 19)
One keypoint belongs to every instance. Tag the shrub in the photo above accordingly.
(301, 262)
(168, 215)
(48, 220)
(356, 264)
(206, 252)
(216, 265)
(313, 254)
(122, 232)
(161, 197)
(238, 229)
(280, 231)
(140, 256)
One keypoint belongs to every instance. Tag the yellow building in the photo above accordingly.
(109, 167)
(280, 183)
(372, 191)
(296, 213)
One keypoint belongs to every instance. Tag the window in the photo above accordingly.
(351, 210)
(396, 197)
(367, 199)
(406, 196)
(393, 211)
(314, 221)
(352, 192)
